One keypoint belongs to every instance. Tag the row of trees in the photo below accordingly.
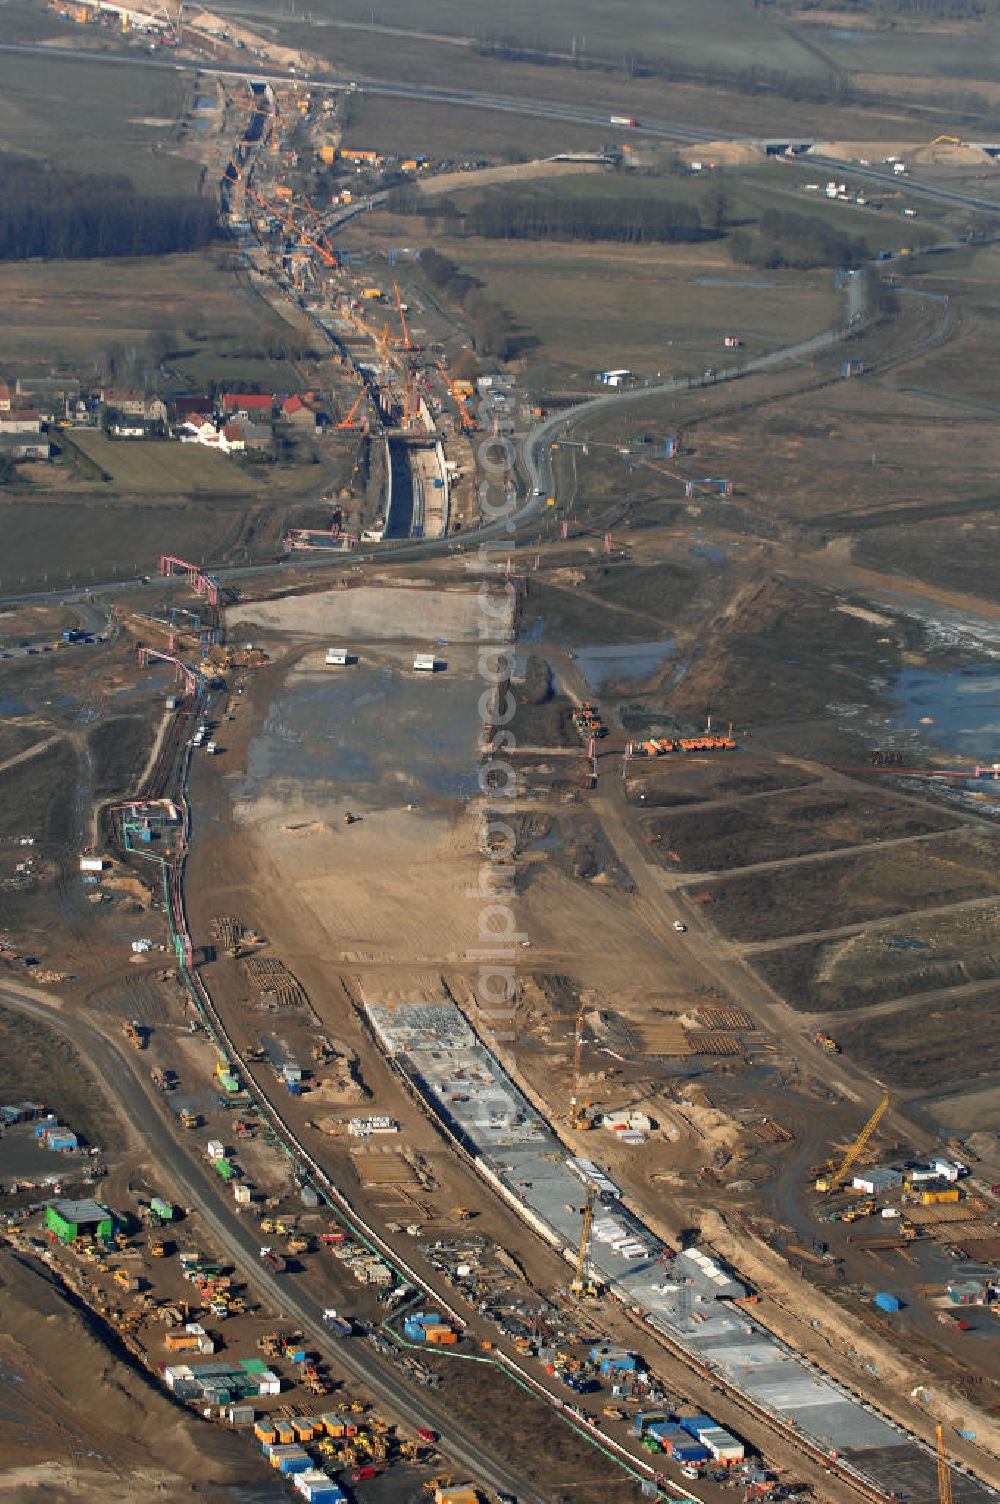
(57, 215)
(795, 240)
(491, 326)
(632, 221)
(938, 10)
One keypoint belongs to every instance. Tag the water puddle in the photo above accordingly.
(342, 731)
(959, 709)
(600, 664)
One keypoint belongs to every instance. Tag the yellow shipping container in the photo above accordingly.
(328, 154)
(936, 1198)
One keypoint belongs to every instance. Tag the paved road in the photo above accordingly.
(288, 1294)
(668, 130)
(466, 99)
(905, 183)
(535, 449)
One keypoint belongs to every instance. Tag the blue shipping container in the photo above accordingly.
(887, 1302)
(618, 1363)
(299, 1463)
(664, 1429)
(695, 1423)
(687, 1451)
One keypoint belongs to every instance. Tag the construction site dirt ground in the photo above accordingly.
(308, 869)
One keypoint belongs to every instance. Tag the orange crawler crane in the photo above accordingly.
(325, 255)
(467, 420)
(349, 422)
(407, 342)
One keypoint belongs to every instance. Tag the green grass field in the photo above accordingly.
(582, 308)
(696, 32)
(153, 467)
(66, 314)
(94, 117)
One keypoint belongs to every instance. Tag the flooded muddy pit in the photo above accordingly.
(602, 664)
(369, 728)
(957, 709)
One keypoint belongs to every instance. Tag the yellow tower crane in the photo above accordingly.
(944, 1469)
(580, 1284)
(834, 1181)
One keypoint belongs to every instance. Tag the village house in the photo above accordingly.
(130, 428)
(135, 404)
(20, 420)
(190, 404)
(42, 391)
(299, 413)
(256, 435)
(254, 406)
(28, 448)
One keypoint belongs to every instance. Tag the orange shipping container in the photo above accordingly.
(180, 1342)
(439, 1336)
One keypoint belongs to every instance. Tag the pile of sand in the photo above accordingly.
(97, 1405)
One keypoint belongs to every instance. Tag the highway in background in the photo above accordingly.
(568, 114)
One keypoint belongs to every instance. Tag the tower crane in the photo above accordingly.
(833, 1182)
(579, 1283)
(943, 1469)
(579, 1112)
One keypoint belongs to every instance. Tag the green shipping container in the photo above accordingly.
(162, 1208)
(224, 1169)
